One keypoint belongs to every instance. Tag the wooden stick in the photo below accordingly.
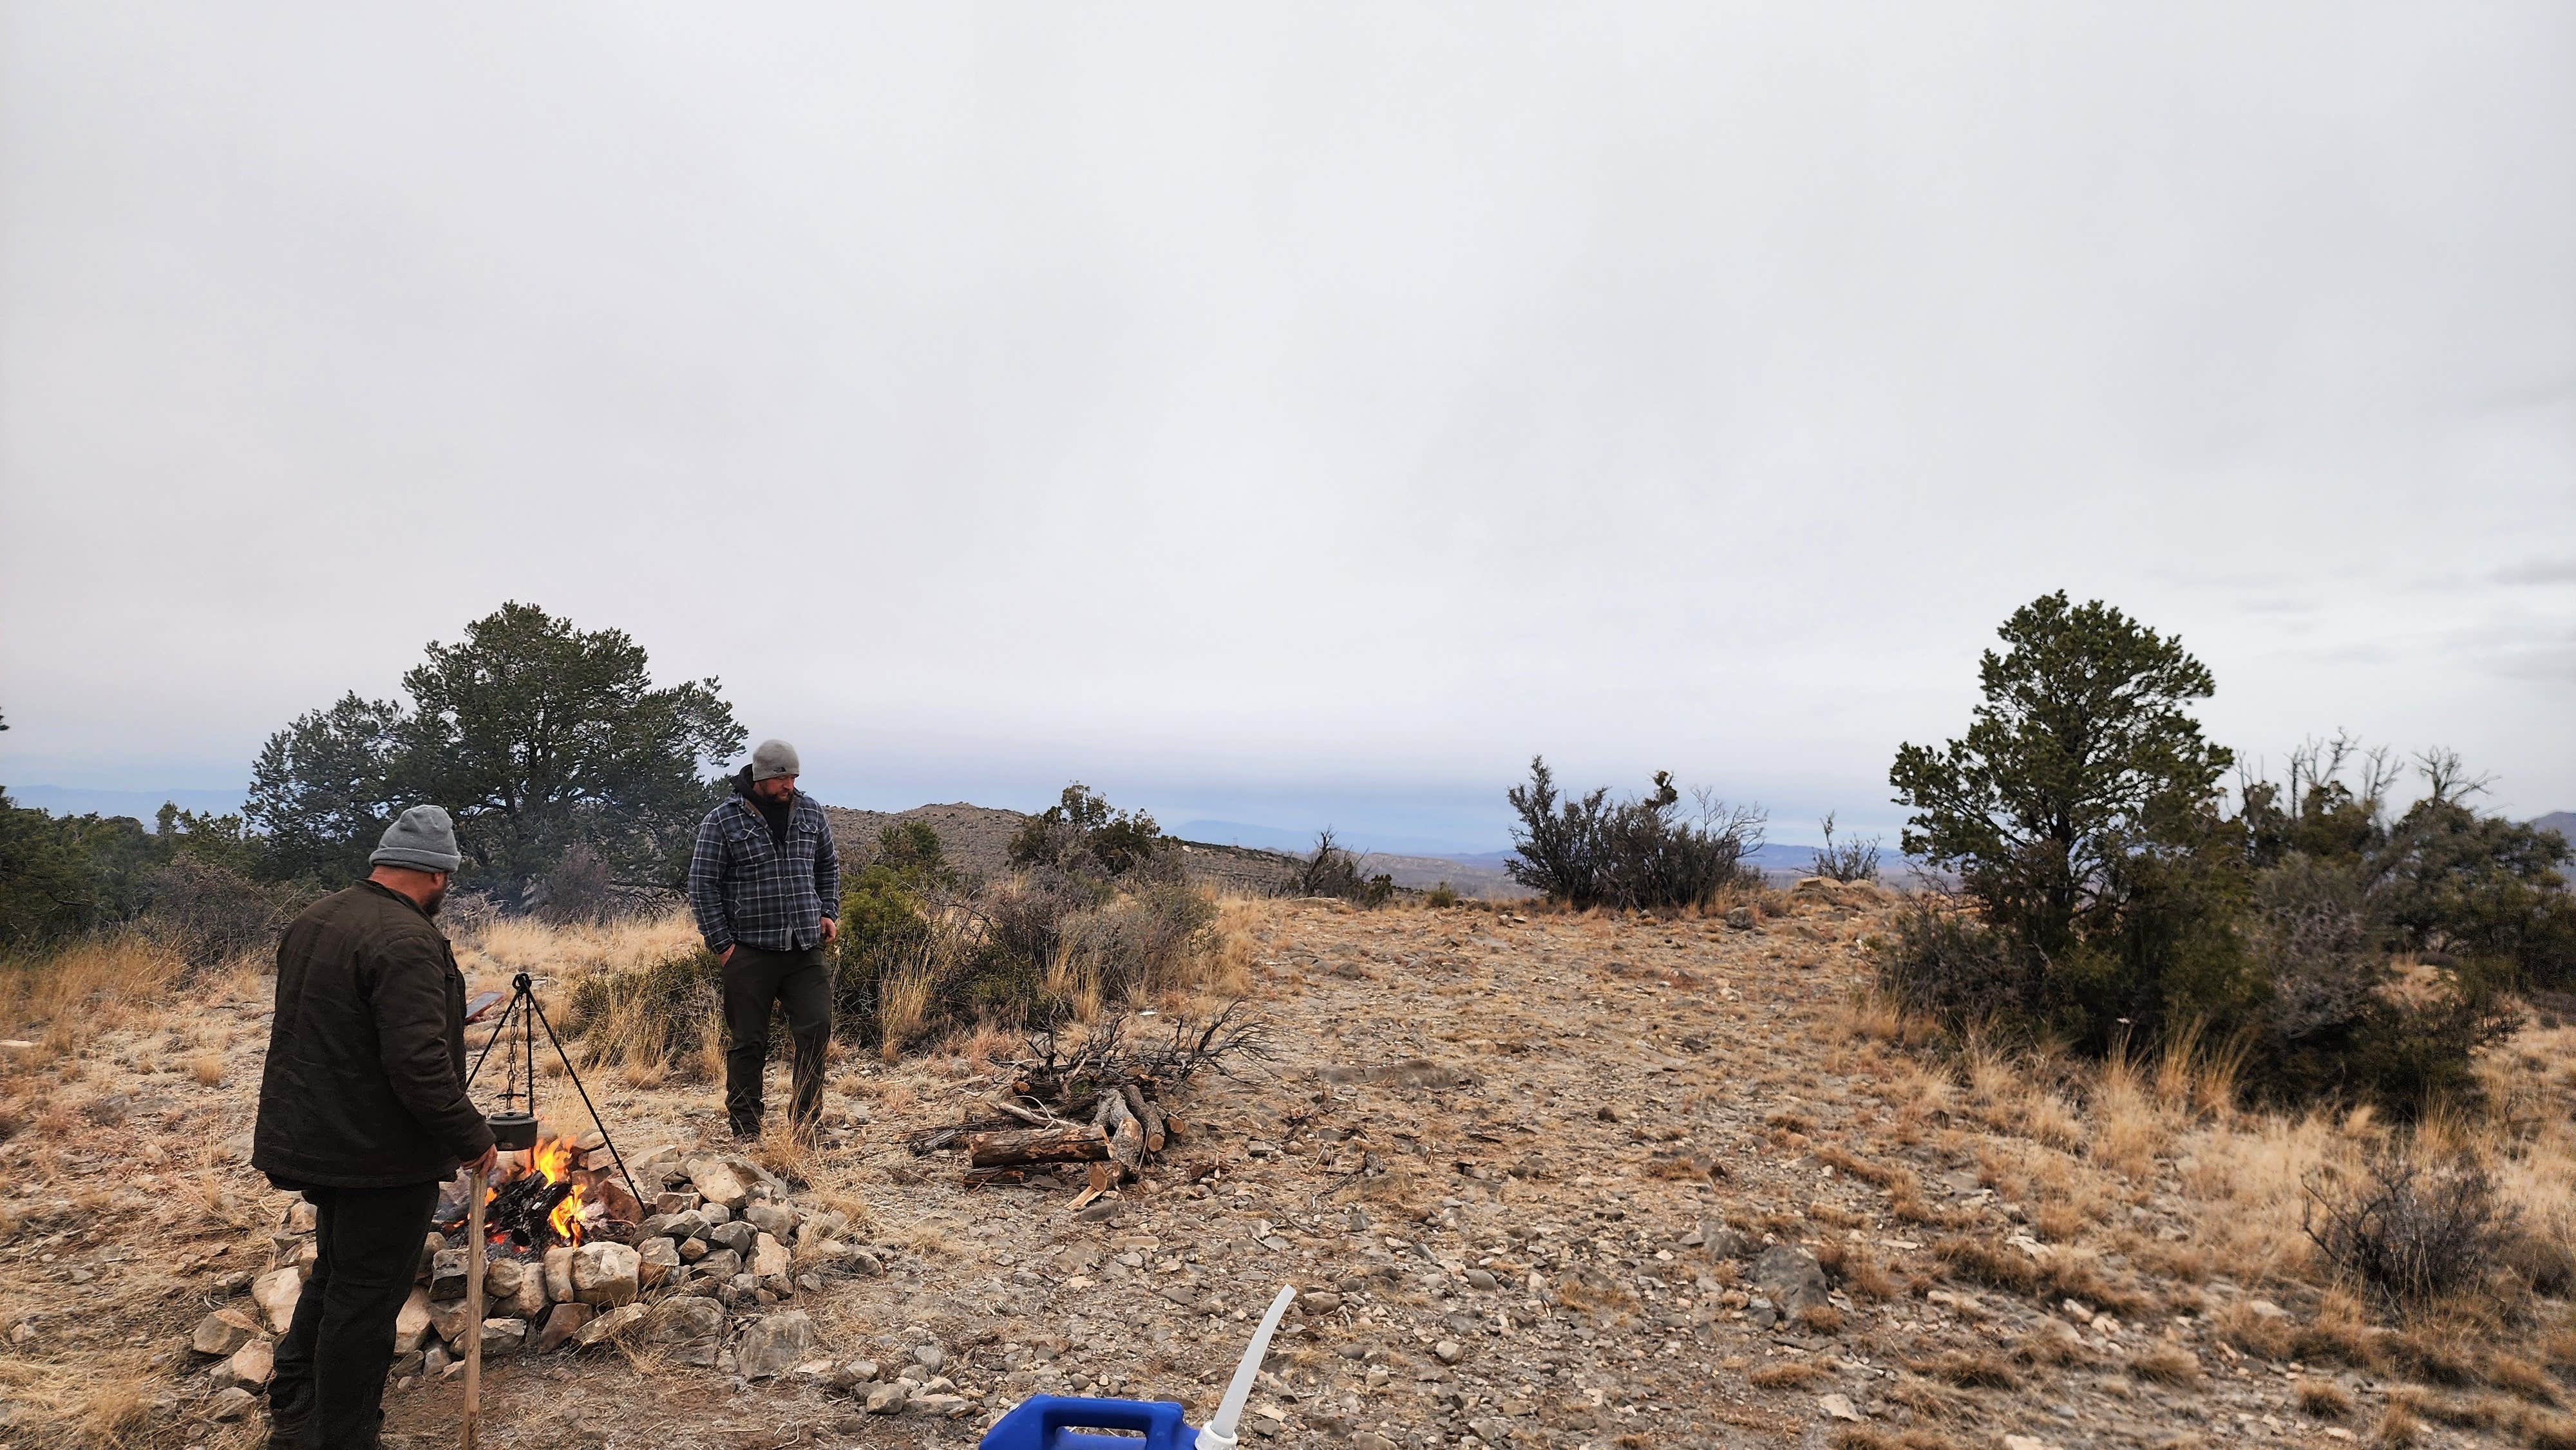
(473, 1304)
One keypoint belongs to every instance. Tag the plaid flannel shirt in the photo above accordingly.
(742, 888)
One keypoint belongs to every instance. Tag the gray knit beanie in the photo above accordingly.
(421, 838)
(774, 758)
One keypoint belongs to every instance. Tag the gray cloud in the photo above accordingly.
(1284, 411)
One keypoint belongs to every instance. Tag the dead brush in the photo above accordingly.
(2165, 1364)
(2321, 1399)
(1857, 1269)
(2051, 1345)
(2409, 1230)
(1968, 1369)
(1790, 1374)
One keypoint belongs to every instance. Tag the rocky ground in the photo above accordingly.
(1541, 1180)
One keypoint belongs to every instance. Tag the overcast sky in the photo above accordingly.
(1290, 415)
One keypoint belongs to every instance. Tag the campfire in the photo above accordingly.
(561, 1193)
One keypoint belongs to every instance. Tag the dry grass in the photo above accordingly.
(2168, 1364)
(1790, 1374)
(2322, 1399)
(95, 985)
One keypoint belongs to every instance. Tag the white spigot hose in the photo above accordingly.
(1219, 1432)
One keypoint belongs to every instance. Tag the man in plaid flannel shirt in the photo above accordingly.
(765, 885)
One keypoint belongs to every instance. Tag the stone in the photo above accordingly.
(515, 1288)
(2265, 1309)
(251, 1365)
(715, 1213)
(302, 1217)
(866, 1263)
(435, 1360)
(774, 1344)
(718, 1180)
(1480, 1278)
(606, 1274)
(1740, 918)
(559, 1272)
(692, 1250)
(1322, 1301)
(737, 1235)
(1838, 1407)
(2026, 1442)
(504, 1336)
(1790, 1278)
(430, 1245)
(1371, 1440)
(821, 1227)
(275, 1292)
(720, 1266)
(774, 1219)
(411, 1322)
(857, 1372)
(1449, 1351)
(623, 1319)
(447, 1275)
(945, 1405)
(674, 1200)
(222, 1332)
(657, 1260)
(888, 1399)
(229, 1404)
(449, 1318)
(929, 1357)
(563, 1321)
(689, 1319)
(1726, 1243)
(769, 1259)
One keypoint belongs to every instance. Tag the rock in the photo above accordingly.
(1322, 1301)
(563, 1321)
(720, 1265)
(302, 1217)
(515, 1288)
(866, 1263)
(1370, 1440)
(504, 1336)
(275, 1292)
(929, 1357)
(229, 1404)
(769, 1259)
(718, 1180)
(1726, 1243)
(689, 1319)
(774, 1344)
(819, 1228)
(888, 1399)
(411, 1322)
(251, 1365)
(945, 1405)
(857, 1372)
(608, 1274)
(616, 1322)
(673, 1200)
(2265, 1309)
(657, 1260)
(737, 1235)
(1480, 1278)
(559, 1272)
(2026, 1442)
(1837, 1407)
(774, 1219)
(1740, 918)
(715, 1213)
(222, 1332)
(430, 1244)
(692, 1250)
(449, 1318)
(1790, 1278)
(1101, 1212)
(447, 1274)
(1449, 1351)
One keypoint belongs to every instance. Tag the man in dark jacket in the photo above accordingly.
(765, 884)
(362, 1109)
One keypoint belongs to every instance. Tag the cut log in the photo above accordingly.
(1149, 1117)
(1126, 1134)
(1073, 1143)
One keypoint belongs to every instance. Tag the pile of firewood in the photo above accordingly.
(1099, 1104)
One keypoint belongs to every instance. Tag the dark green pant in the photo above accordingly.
(802, 982)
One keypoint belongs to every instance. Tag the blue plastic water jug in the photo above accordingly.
(1057, 1422)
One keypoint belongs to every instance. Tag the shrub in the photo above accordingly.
(575, 890)
(889, 910)
(1851, 861)
(1643, 853)
(1081, 835)
(2410, 1230)
(1330, 870)
(212, 913)
(663, 1015)
(1442, 895)
(1938, 959)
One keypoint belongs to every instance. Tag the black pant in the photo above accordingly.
(330, 1367)
(752, 980)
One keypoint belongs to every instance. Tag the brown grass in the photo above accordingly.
(1968, 1369)
(2322, 1399)
(1790, 1374)
(2167, 1364)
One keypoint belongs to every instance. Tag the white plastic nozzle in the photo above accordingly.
(1219, 1432)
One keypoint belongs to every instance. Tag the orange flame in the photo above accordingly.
(553, 1159)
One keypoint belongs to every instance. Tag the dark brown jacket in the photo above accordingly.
(365, 1084)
